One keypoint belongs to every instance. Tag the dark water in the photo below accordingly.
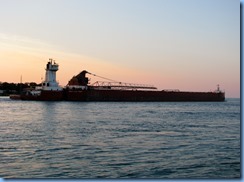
(119, 140)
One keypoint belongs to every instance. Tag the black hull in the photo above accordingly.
(46, 95)
(125, 96)
(142, 96)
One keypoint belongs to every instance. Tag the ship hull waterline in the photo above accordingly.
(142, 96)
(46, 95)
(125, 96)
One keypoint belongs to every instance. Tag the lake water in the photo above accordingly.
(178, 140)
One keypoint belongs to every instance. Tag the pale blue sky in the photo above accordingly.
(185, 44)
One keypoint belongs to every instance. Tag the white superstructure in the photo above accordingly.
(50, 82)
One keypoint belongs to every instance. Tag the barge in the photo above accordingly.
(80, 89)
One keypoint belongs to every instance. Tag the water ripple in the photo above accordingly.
(119, 140)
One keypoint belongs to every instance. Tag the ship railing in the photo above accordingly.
(218, 91)
(38, 88)
(80, 87)
(171, 90)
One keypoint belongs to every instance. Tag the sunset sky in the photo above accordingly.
(190, 45)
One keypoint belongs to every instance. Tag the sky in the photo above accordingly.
(190, 45)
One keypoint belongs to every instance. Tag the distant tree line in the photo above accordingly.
(15, 88)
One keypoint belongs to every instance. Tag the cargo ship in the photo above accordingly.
(80, 89)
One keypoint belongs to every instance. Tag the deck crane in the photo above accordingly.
(113, 84)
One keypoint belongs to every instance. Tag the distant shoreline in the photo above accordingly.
(7, 89)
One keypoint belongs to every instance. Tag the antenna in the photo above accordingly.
(20, 87)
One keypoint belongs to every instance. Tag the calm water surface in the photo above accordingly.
(119, 140)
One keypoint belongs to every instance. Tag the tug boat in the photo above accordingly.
(49, 90)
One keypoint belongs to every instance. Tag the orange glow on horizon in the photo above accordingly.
(30, 65)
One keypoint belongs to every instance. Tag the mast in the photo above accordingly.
(20, 86)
